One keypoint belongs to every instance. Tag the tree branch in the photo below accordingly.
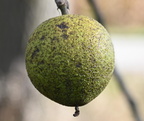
(116, 73)
(96, 11)
(63, 5)
(128, 96)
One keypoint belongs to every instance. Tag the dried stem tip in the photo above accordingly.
(77, 111)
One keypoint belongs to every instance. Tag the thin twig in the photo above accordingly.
(117, 75)
(63, 5)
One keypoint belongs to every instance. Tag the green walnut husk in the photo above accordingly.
(70, 59)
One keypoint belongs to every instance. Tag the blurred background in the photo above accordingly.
(20, 101)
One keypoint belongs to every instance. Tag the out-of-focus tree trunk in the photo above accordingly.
(18, 18)
(13, 17)
(12, 24)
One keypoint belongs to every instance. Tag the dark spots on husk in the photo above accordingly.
(65, 36)
(41, 62)
(53, 48)
(93, 60)
(72, 32)
(78, 64)
(42, 38)
(62, 25)
(54, 39)
(34, 53)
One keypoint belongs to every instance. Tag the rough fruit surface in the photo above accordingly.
(70, 59)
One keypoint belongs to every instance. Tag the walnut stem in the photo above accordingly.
(77, 111)
(63, 5)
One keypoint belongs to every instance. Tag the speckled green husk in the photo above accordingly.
(70, 59)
